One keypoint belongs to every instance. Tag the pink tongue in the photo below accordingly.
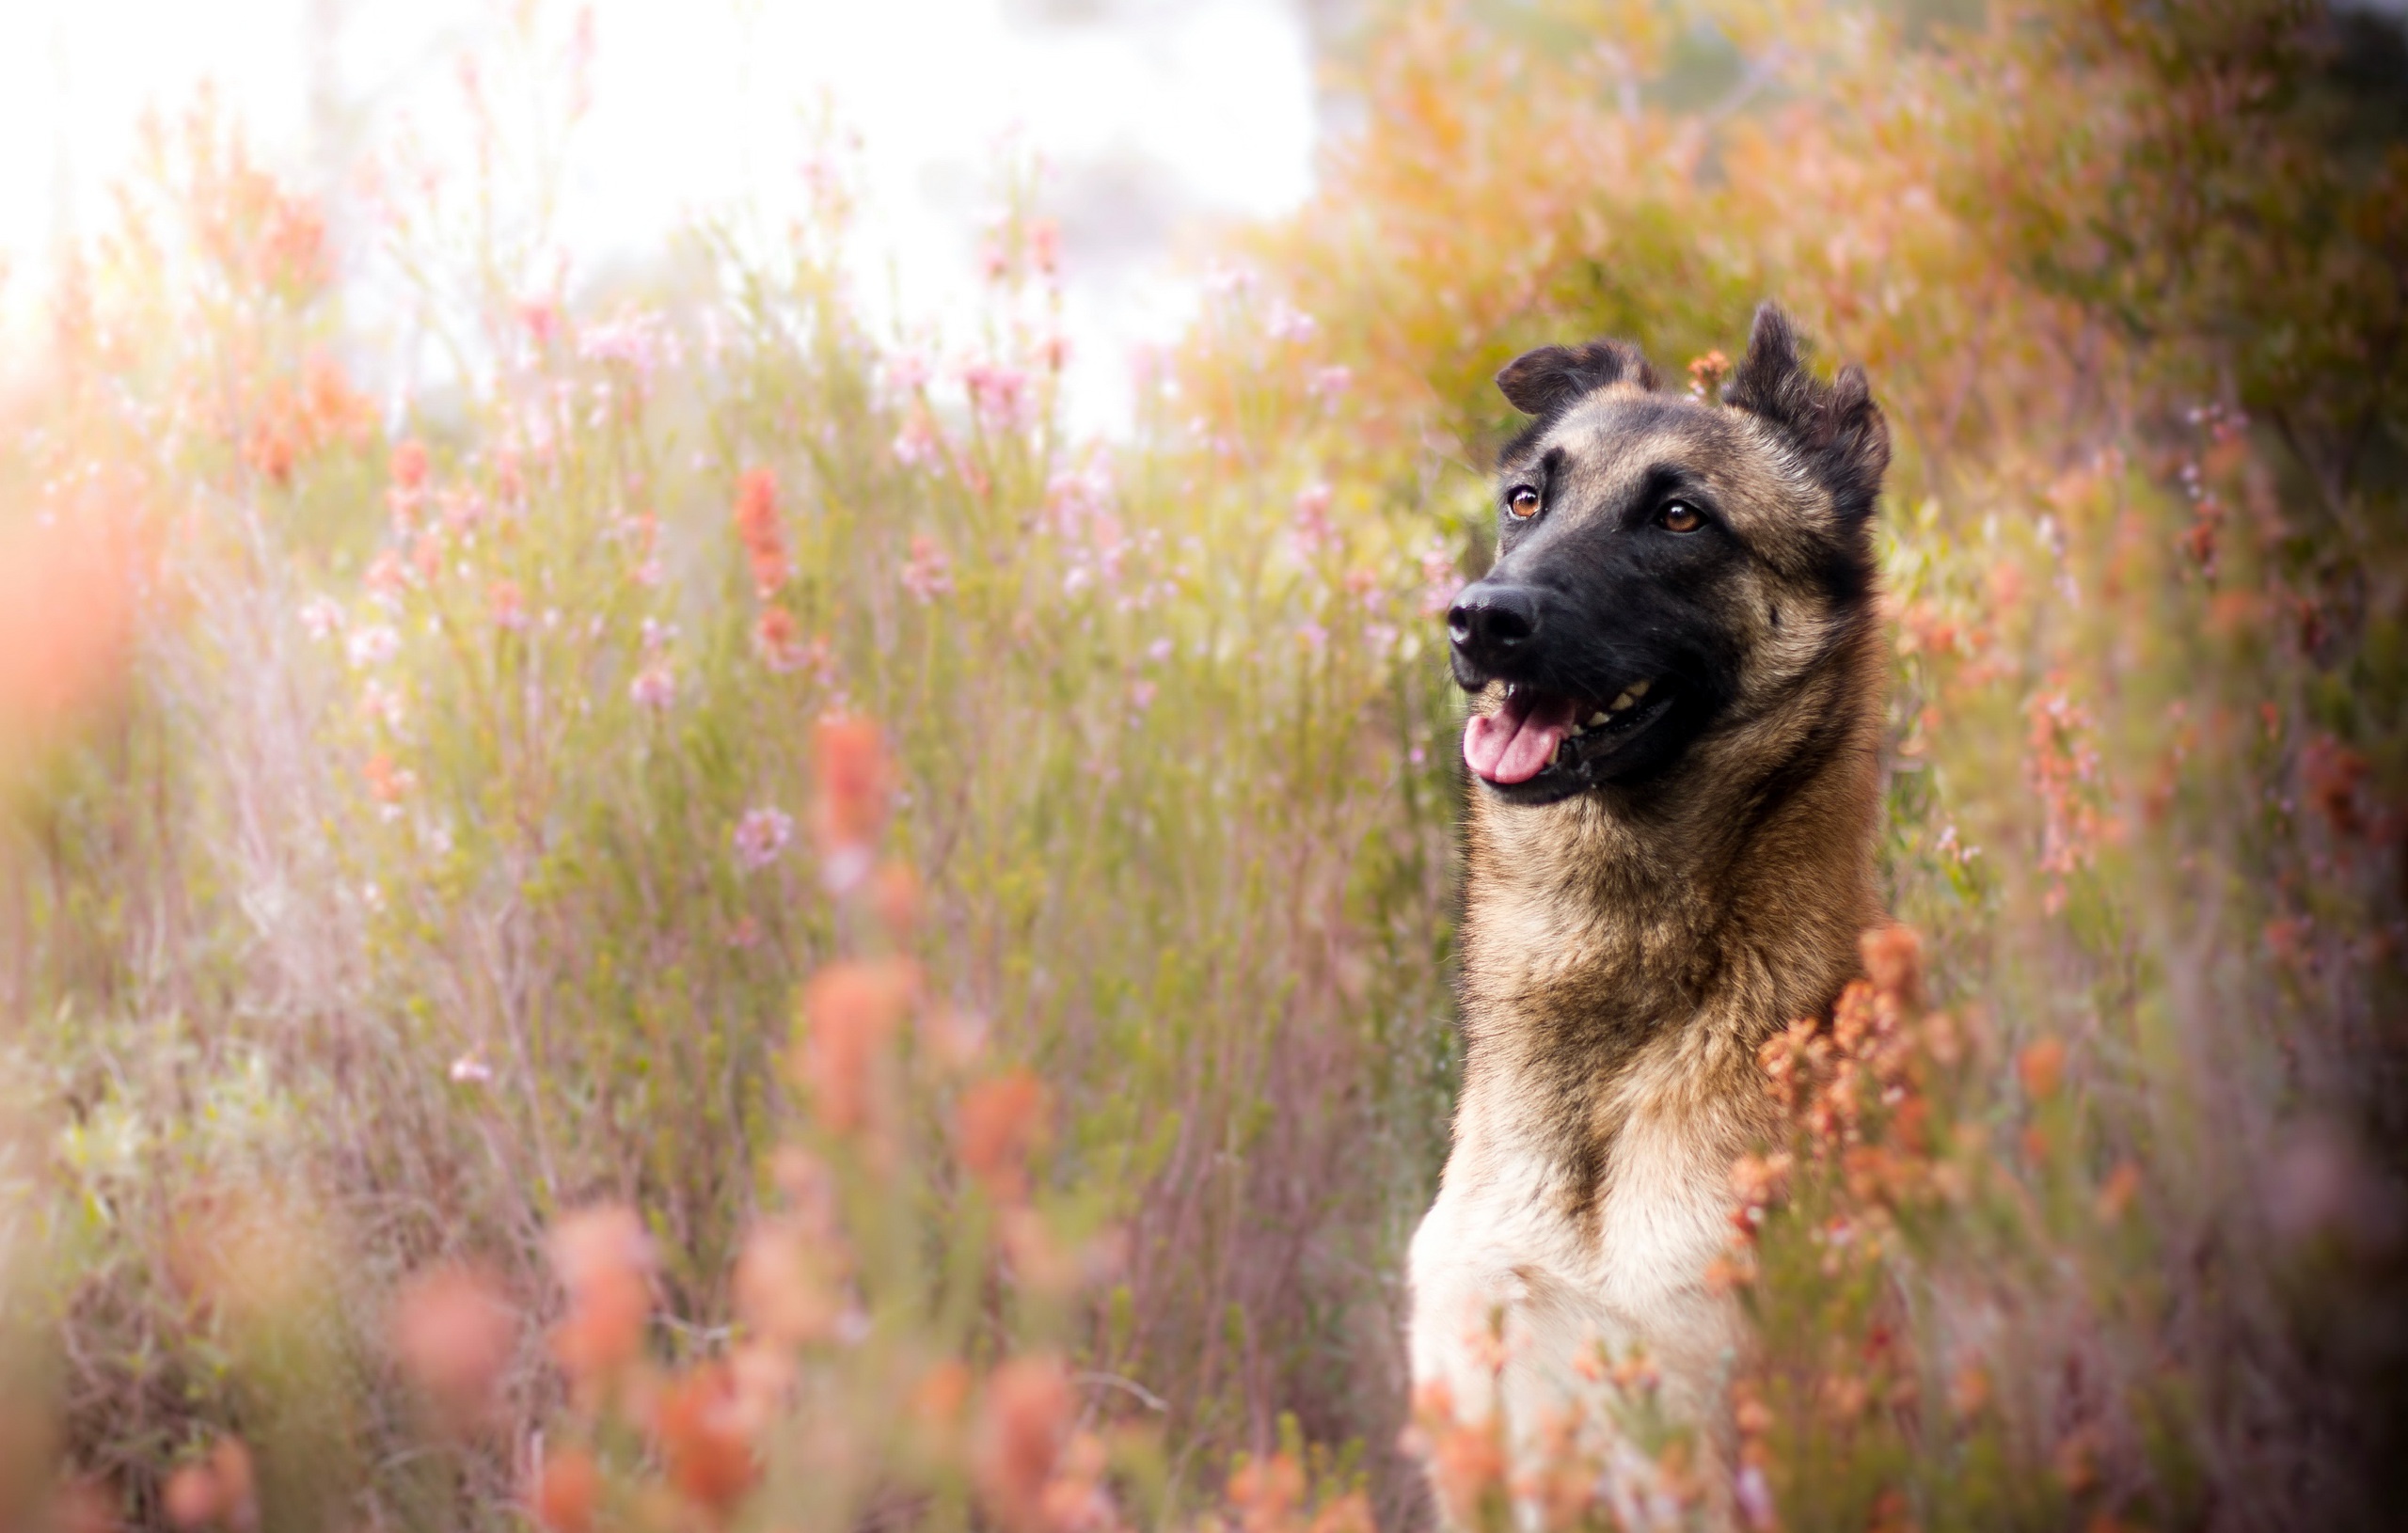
(1514, 743)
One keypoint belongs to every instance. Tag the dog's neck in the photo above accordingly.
(1707, 911)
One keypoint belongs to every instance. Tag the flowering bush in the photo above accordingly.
(705, 922)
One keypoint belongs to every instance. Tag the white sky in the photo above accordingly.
(1154, 117)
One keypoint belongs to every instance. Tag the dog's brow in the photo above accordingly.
(1661, 482)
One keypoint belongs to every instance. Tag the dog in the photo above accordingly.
(1679, 696)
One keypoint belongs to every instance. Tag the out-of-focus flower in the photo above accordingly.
(995, 1124)
(405, 465)
(1024, 1422)
(907, 373)
(1266, 1488)
(1894, 961)
(567, 1489)
(1291, 325)
(2041, 1067)
(373, 645)
(756, 526)
(604, 1259)
(761, 836)
(1330, 384)
(698, 1422)
(895, 894)
(849, 800)
(388, 784)
(218, 1491)
(541, 319)
(1044, 244)
(1706, 373)
(655, 687)
(1311, 531)
(917, 445)
(386, 576)
(1000, 395)
(508, 606)
(1440, 579)
(634, 339)
(470, 1069)
(66, 622)
(778, 639)
(786, 1285)
(850, 1011)
(454, 1332)
(321, 617)
(927, 574)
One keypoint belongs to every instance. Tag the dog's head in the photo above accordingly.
(1665, 566)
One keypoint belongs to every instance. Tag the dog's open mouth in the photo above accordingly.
(1535, 734)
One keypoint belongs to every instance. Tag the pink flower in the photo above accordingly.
(761, 835)
(916, 445)
(907, 373)
(1330, 382)
(929, 573)
(655, 687)
(1440, 579)
(1313, 531)
(509, 607)
(321, 617)
(1000, 395)
(374, 646)
(1286, 323)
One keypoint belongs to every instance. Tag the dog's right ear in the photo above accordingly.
(1547, 380)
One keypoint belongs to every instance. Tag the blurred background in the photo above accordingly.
(1154, 121)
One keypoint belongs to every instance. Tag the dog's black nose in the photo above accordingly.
(1489, 623)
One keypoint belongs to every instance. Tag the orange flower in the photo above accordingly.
(219, 1491)
(1265, 1490)
(190, 1498)
(699, 1426)
(894, 892)
(785, 1286)
(407, 464)
(778, 639)
(851, 1009)
(604, 1260)
(994, 1125)
(854, 784)
(756, 526)
(1894, 961)
(566, 1490)
(453, 1331)
(65, 621)
(2041, 1066)
(1022, 1425)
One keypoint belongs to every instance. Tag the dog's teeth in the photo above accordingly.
(1594, 719)
(1638, 690)
(1622, 701)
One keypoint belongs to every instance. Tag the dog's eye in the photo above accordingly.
(1522, 503)
(1680, 516)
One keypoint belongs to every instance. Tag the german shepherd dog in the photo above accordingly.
(1678, 680)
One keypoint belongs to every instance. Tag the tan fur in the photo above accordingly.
(1624, 956)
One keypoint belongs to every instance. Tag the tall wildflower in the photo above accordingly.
(757, 527)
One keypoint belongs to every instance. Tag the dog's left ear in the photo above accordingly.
(1548, 380)
(1836, 425)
